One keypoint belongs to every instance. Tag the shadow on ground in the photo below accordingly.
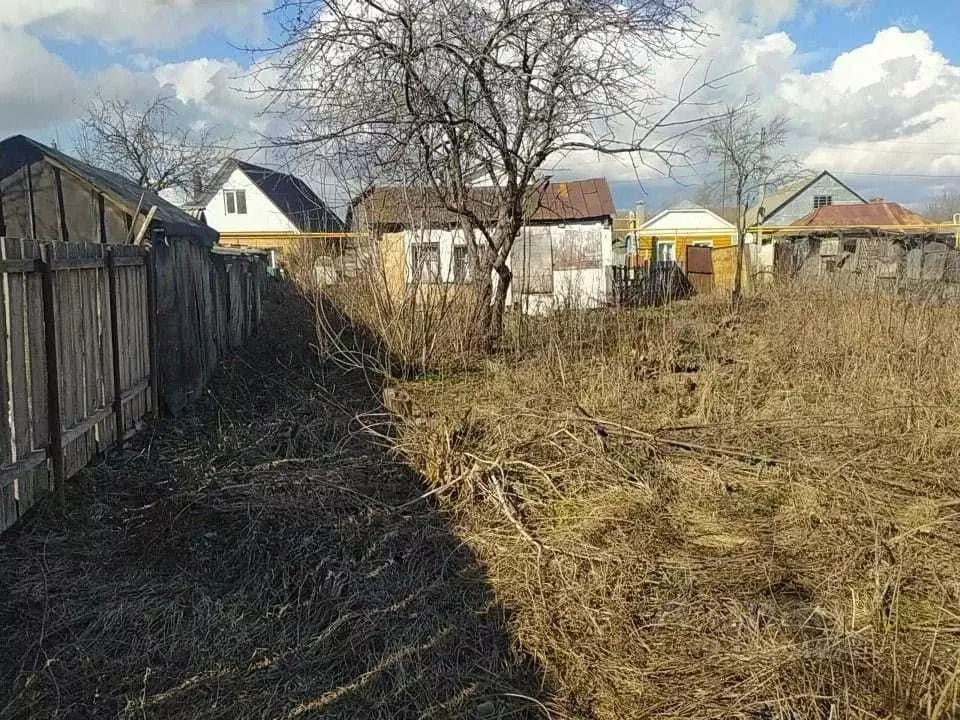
(249, 560)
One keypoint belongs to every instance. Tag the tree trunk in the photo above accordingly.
(738, 272)
(482, 309)
(494, 332)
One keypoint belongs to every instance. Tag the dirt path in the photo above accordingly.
(248, 561)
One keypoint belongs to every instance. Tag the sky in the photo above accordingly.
(871, 87)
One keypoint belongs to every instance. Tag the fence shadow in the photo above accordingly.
(248, 560)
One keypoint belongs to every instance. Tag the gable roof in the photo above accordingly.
(288, 193)
(773, 203)
(875, 214)
(688, 209)
(552, 202)
(19, 151)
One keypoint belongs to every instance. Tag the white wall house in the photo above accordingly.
(554, 265)
(562, 256)
(240, 206)
(248, 198)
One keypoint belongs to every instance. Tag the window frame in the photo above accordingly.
(422, 270)
(822, 201)
(238, 198)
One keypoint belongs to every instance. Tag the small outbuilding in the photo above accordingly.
(47, 195)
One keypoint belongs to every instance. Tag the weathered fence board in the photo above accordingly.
(60, 312)
(81, 358)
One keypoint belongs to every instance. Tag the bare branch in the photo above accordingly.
(150, 145)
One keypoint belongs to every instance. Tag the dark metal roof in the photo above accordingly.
(18, 151)
(291, 195)
(552, 202)
(875, 214)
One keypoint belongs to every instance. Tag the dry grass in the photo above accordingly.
(695, 513)
(257, 558)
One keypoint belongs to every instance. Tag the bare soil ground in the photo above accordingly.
(258, 557)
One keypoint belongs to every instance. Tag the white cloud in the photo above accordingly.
(144, 23)
(36, 87)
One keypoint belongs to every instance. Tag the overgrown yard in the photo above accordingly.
(695, 513)
(676, 513)
(258, 558)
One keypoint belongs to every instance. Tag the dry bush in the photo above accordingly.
(409, 331)
(701, 513)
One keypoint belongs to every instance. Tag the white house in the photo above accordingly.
(562, 255)
(247, 201)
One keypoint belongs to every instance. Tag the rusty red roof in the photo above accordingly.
(874, 214)
(553, 202)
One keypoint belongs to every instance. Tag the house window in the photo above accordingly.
(426, 261)
(820, 201)
(666, 252)
(461, 264)
(235, 201)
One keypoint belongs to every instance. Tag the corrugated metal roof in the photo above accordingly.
(875, 214)
(19, 150)
(554, 202)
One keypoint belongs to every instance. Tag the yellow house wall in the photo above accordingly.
(393, 255)
(681, 243)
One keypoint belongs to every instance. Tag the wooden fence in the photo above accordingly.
(77, 347)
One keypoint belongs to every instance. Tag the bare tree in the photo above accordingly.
(944, 207)
(752, 151)
(150, 144)
(448, 94)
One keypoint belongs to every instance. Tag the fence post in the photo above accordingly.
(152, 328)
(115, 346)
(53, 374)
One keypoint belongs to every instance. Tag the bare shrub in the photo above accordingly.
(363, 321)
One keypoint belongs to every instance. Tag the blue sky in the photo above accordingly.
(826, 31)
(867, 84)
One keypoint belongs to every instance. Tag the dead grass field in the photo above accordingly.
(260, 557)
(696, 513)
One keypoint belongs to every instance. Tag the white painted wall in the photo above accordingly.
(687, 221)
(261, 216)
(584, 288)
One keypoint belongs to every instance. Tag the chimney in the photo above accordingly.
(640, 213)
(877, 200)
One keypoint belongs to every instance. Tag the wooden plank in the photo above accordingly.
(16, 317)
(151, 284)
(31, 203)
(64, 234)
(107, 344)
(8, 504)
(36, 356)
(7, 440)
(115, 355)
(75, 433)
(130, 261)
(18, 266)
(26, 464)
(101, 219)
(79, 262)
(53, 385)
